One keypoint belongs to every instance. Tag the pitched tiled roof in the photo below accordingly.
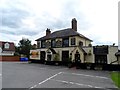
(63, 33)
(11, 48)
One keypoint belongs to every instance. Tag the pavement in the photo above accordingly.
(30, 76)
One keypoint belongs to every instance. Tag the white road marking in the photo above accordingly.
(45, 80)
(86, 75)
(90, 86)
(0, 74)
(49, 78)
(73, 83)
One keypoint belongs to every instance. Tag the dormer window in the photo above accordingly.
(7, 45)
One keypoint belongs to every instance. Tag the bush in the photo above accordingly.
(57, 57)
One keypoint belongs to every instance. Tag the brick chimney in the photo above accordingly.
(48, 32)
(74, 24)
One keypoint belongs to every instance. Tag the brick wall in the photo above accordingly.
(9, 58)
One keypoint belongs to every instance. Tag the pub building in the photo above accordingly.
(69, 46)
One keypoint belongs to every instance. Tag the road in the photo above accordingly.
(30, 76)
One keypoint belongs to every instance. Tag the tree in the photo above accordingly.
(24, 47)
(17, 51)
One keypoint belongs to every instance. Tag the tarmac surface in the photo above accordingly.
(30, 76)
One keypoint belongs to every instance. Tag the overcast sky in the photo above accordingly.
(97, 19)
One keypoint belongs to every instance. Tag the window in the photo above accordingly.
(58, 43)
(65, 42)
(42, 44)
(48, 44)
(72, 41)
(80, 43)
(38, 44)
(53, 43)
(7, 45)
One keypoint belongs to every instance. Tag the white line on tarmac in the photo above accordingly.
(90, 86)
(86, 75)
(45, 80)
(0, 74)
(73, 83)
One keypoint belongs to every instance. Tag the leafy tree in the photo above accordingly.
(24, 47)
(17, 51)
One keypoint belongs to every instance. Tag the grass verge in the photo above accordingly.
(116, 78)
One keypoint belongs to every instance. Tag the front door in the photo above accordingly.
(42, 55)
(65, 56)
(77, 57)
(49, 57)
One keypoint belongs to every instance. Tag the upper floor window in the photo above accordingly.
(80, 43)
(42, 44)
(58, 43)
(48, 44)
(38, 44)
(72, 41)
(53, 43)
(65, 42)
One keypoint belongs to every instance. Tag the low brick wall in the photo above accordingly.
(9, 58)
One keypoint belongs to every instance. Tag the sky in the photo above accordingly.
(96, 19)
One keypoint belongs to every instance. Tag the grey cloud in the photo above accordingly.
(15, 12)
(12, 17)
(18, 31)
(68, 11)
(71, 10)
(12, 13)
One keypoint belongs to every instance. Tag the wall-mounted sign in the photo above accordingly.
(100, 49)
(35, 54)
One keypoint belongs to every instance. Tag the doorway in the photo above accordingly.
(77, 58)
(42, 55)
(65, 56)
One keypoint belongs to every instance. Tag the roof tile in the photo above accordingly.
(63, 33)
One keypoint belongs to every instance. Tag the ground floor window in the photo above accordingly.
(101, 59)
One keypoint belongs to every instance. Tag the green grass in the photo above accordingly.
(116, 78)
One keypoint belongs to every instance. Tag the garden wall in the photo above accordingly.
(9, 58)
